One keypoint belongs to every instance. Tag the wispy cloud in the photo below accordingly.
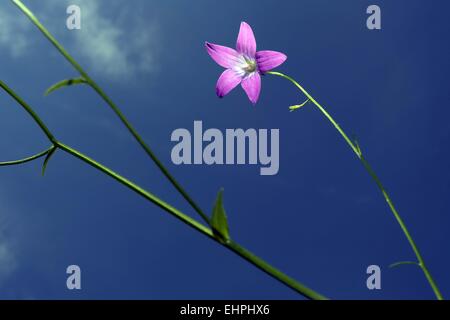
(13, 33)
(113, 45)
(8, 261)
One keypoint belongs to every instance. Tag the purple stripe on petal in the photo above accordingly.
(267, 60)
(224, 56)
(246, 42)
(228, 80)
(252, 86)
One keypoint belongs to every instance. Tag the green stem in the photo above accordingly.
(113, 106)
(147, 195)
(273, 272)
(234, 247)
(30, 111)
(25, 160)
(355, 148)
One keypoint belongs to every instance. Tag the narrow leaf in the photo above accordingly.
(298, 106)
(355, 143)
(47, 158)
(358, 148)
(65, 83)
(403, 263)
(219, 221)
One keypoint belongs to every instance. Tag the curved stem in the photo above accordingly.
(233, 246)
(113, 106)
(25, 160)
(30, 111)
(355, 148)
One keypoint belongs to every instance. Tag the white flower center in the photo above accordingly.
(245, 66)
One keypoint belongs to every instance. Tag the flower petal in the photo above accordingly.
(246, 42)
(224, 56)
(252, 86)
(267, 60)
(228, 80)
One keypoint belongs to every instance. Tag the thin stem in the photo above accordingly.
(355, 148)
(25, 160)
(147, 149)
(30, 111)
(234, 247)
(147, 195)
(113, 106)
(273, 272)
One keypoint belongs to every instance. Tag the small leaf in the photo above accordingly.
(47, 158)
(403, 263)
(65, 83)
(298, 106)
(356, 144)
(219, 221)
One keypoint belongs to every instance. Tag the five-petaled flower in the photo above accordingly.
(244, 65)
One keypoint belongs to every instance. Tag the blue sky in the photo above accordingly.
(320, 219)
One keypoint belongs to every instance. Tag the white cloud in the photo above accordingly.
(13, 33)
(8, 261)
(113, 45)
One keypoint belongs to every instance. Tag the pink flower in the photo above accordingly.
(244, 65)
